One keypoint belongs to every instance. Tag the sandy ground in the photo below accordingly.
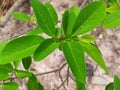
(108, 42)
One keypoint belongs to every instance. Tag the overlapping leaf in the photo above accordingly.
(33, 84)
(95, 54)
(19, 48)
(10, 86)
(75, 58)
(90, 17)
(45, 48)
(112, 20)
(44, 19)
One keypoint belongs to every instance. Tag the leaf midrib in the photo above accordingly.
(43, 20)
(73, 58)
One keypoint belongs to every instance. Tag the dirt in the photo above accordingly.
(108, 41)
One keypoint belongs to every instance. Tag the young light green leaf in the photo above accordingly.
(87, 38)
(75, 58)
(35, 31)
(22, 73)
(110, 86)
(4, 76)
(21, 16)
(33, 84)
(75, 9)
(44, 18)
(16, 63)
(19, 48)
(86, 20)
(27, 62)
(44, 49)
(112, 20)
(10, 86)
(52, 12)
(7, 68)
(95, 54)
(116, 83)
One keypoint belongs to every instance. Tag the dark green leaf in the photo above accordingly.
(10, 86)
(75, 58)
(52, 12)
(110, 86)
(21, 16)
(45, 48)
(116, 83)
(19, 48)
(44, 18)
(33, 84)
(80, 86)
(40, 87)
(112, 20)
(22, 74)
(35, 31)
(65, 18)
(86, 20)
(4, 76)
(95, 54)
(27, 62)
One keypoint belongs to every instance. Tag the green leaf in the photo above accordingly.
(65, 18)
(2, 45)
(27, 62)
(110, 86)
(75, 9)
(80, 86)
(52, 12)
(22, 74)
(44, 18)
(21, 16)
(19, 48)
(68, 22)
(75, 58)
(10, 86)
(95, 54)
(16, 63)
(71, 22)
(7, 68)
(86, 20)
(116, 83)
(112, 20)
(40, 87)
(33, 84)
(35, 31)
(4, 76)
(45, 48)
(87, 38)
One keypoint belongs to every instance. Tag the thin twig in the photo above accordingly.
(83, 3)
(68, 75)
(62, 81)
(53, 71)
